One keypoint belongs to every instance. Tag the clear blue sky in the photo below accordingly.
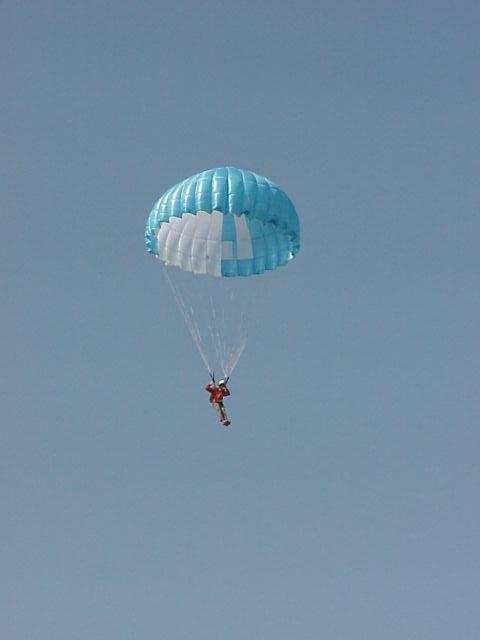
(344, 502)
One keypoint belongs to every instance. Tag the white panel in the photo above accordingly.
(171, 245)
(177, 225)
(185, 242)
(199, 255)
(199, 242)
(214, 244)
(162, 234)
(203, 224)
(193, 242)
(244, 241)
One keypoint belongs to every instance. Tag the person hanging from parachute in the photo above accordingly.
(211, 232)
(217, 393)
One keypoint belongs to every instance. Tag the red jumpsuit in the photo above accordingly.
(217, 394)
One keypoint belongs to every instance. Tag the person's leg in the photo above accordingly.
(223, 412)
(218, 409)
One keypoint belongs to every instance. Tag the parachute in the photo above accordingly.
(220, 227)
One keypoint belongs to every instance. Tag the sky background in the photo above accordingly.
(343, 504)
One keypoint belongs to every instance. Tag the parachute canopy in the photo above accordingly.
(224, 222)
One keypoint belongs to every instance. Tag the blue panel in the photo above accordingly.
(220, 190)
(229, 231)
(229, 268)
(245, 267)
(235, 191)
(188, 195)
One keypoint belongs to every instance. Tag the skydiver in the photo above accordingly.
(217, 394)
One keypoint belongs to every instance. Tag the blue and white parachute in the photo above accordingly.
(222, 222)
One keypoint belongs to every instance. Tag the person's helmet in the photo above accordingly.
(221, 383)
